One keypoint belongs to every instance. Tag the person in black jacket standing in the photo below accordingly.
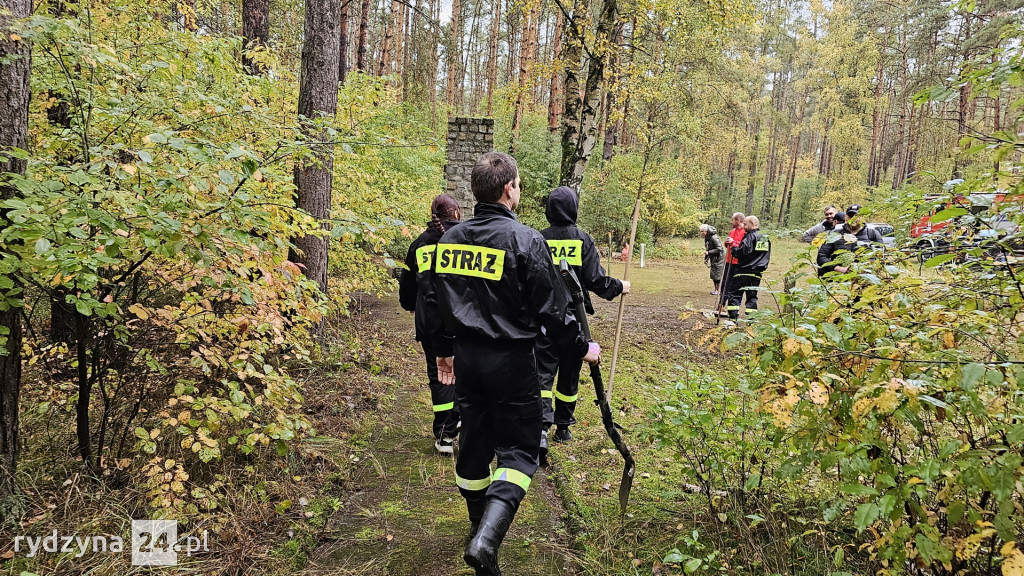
(752, 254)
(566, 241)
(444, 215)
(495, 287)
(854, 237)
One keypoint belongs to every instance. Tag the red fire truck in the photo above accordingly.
(933, 238)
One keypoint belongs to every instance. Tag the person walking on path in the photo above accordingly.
(826, 225)
(752, 256)
(734, 239)
(566, 241)
(495, 287)
(444, 215)
(714, 255)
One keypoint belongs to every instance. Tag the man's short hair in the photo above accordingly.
(736, 215)
(753, 220)
(832, 206)
(490, 174)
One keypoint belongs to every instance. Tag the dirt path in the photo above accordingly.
(402, 513)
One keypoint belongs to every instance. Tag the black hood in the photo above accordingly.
(563, 206)
(712, 230)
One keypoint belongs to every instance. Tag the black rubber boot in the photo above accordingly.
(562, 435)
(482, 552)
(476, 511)
(544, 448)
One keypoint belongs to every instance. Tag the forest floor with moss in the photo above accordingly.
(401, 513)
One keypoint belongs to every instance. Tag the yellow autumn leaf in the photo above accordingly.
(185, 416)
(790, 346)
(1013, 564)
(968, 547)
(129, 168)
(139, 311)
(818, 393)
(948, 340)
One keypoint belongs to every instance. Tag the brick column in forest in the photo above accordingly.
(468, 138)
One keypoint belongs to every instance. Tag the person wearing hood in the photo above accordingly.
(714, 255)
(494, 287)
(566, 241)
(444, 215)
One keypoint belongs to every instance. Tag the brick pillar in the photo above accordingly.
(468, 138)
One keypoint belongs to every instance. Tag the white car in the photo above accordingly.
(888, 232)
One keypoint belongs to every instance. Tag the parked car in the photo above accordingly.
(888, 232)
(981, 224)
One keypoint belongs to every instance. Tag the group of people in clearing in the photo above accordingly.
(738, 263)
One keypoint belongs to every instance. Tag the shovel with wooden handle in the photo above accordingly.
(601, 399)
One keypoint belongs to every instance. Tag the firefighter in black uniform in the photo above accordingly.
(444, 215)
(566, 241)
(752, 254)
(495, 287)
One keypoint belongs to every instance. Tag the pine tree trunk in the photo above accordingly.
(576, 154)
(255, 30)
(453, 48)
(555, 100)
(384, 65)
(400, 44)
(318, 96)
(873, 177)
(492, 55)
(15, 64)
(611, 128)
(343, 42)
(901, 140)
(364, 27)
(464, 53)
(525, 67)
(753, 166)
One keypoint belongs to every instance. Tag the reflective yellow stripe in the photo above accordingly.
(547, 394)
(465, 260)
(511, 475)
(425, 257)
(443, 407)
(565, 398)
(570, 250)
(466, 484)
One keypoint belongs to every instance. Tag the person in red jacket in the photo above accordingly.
(734, 239)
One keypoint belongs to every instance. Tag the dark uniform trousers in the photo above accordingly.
(744, 282)
(446, 417)
(567, 364)
(728, 280)
(498, 398)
